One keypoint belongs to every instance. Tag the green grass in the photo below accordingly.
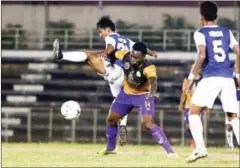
(83, 155)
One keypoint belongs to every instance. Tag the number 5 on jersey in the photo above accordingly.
(219, 53)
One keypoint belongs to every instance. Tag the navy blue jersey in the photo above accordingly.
(217, 62)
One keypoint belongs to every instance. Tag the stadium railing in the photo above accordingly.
(35, 114)
(160, 40)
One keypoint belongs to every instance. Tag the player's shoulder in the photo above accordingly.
(120, 54)
(148, 63)
(112, 36)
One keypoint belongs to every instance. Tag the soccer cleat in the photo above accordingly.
(196, 155)
(173, 155)
(57, 51)
(122, 135)
(107, 152)
(231, 146)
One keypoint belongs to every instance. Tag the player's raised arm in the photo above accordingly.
(199, 39)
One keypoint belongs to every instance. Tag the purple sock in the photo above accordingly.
(160, 137)
(189, 133)
(111, 134)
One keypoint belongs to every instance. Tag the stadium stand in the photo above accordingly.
(33, 91)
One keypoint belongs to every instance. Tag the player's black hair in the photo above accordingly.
(140, 46)
(209, 10)
(104, 22)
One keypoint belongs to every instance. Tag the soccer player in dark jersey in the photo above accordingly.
(213, 43)
(139, 90)
(108, 67)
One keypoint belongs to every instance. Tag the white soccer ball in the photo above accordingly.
(70, 110)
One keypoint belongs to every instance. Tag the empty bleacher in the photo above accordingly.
(33, 91)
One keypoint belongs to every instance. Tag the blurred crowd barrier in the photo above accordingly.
(33, 89)
(72, 39)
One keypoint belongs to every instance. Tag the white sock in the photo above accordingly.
(229, 136)
(124, 120)
(76, 56)
(235, 125)
(196, 128)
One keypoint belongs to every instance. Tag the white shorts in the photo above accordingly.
(115, 78)
(209, 88)
(238, 112)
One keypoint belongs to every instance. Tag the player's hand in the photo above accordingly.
(152, 94)
(154, 54)
(188, 85)
(208, 111)
(237, 82)
(102, 56)
(181, 107)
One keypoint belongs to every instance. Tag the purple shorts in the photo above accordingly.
(124, 103)
(238, 94)
(186, 112)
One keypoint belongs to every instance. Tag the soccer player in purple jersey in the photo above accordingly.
(139, 90)
(213, 43)
(184, 105)
(108, 67)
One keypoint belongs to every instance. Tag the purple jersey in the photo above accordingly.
(217, 62)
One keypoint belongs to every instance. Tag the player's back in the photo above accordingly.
(121, 42)
(217, 62)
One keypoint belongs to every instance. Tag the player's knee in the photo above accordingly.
(112, 121)
(113, 118)
(228, 127)
(147, 125)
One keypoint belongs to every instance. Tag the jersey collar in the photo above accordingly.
(211, 26)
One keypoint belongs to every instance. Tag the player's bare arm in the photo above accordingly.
(196, 68)
(183, 96)
(153, 87)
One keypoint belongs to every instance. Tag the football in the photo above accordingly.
(70, 110)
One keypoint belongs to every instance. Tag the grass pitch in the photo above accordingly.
(83, 155)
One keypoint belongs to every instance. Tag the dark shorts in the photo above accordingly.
(124, 103)
(186, 112)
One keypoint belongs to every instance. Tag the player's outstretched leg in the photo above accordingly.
(111, 134)
(123, 131)
(76, 56)
(80, 56)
